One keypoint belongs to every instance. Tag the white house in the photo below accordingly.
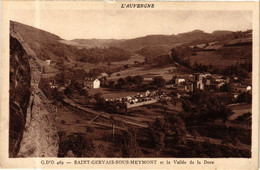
(178, 80)
(48, 62)
(92, 84)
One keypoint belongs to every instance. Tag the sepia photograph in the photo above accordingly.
(132, 82)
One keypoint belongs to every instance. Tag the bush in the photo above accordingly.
(80, 145)
(130, 146)
(89, 129)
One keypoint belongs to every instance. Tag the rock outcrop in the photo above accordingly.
(32, 116)
(20, 91)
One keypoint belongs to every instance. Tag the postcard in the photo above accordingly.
(129, 85)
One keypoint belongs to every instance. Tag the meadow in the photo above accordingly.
(215, 59)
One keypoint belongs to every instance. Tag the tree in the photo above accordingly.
(173, 79)
(79, 74)
(78, 145)
(68, 91)
(129, 79)
(177, 128)
(83, 92)
(164, 103)
(158, 81)
(157, 138)
(100, 101)
(111, 84)
(138, 80)
(157, 131)
(244, 97)
(159, 125)
(121, 82)
(225, 88)
(242, 73)
(175, 55)
(60, 78)
(186, 105)
(130, 146)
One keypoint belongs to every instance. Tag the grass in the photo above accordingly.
(147, 72)
(215, 59)
(111, 93)
(136, 57)
(98, 134)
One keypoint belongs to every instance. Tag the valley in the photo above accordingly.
(184, 95)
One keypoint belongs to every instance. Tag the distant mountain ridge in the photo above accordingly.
(46, 45)
(138, 43)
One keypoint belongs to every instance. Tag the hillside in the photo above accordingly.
(193, 37)
(47, 46)
(141, 42)
(152, 52)
(221, 32)
(229, 49)
(95, 42)
(151, 46)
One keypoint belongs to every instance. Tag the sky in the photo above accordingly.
(125, 24)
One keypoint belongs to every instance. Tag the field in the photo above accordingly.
(111, 93)
(214, 59)
(78, 45)
(135, 57)
(148, 72)
(101, 136)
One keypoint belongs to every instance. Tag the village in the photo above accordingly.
(117, 103)
(181, 84)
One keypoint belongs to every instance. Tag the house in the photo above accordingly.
(198, 81)
(48, 62)
(147, 93)
(148, 79)
(215, 81)
(189, 86)
(92, 84)
(185, 86)
(178, 80)
(235, 95)
(240, 88)
(54, 86)
(208, 80)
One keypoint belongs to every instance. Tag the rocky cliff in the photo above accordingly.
(20, 91)
(32, 116)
